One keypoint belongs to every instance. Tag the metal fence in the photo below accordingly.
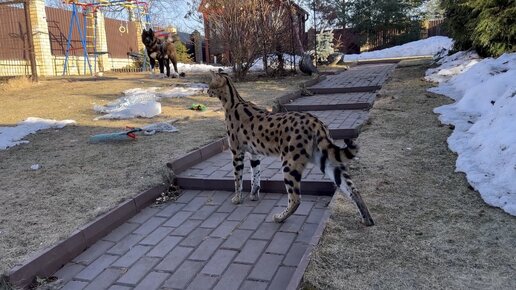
(16, 53)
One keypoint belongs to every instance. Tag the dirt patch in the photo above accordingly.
(432, 231)
(79, 180)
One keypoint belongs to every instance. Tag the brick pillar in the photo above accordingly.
(41, 39)
(102, 48)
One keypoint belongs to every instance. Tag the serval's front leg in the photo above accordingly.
(238, 164)
(255, 182)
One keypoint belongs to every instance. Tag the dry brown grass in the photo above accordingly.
(16, 84)
(432, 231)
(79, 180)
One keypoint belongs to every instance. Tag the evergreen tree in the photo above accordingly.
(488, 26)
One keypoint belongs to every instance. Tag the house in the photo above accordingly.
(216, 51)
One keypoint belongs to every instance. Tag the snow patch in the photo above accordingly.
(12, 136)
(484, 116)
(425, 47)
(144, 103)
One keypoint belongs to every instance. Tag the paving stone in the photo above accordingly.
(214, 220)
(233, 277)
(138, 271)
(178, 219)
(119, 287)
(306, 233)
(315, 216)
(206, 249)
(174, 259)
(152, 281)
(305, 207)
(218, 197)
(265, 206)
(149, 226)
(195, 237)
(164, 247)
(237, 239)
(266, 230)
(252, 222)
(196, 203)
(202, 282)
(69, 271)
(251, 251)
(293, 224)
(156, 236)
(275, 196)
(224, 229)
(281, 243)
(295, 254)
(96, 250)
(105, 279)
(144, 215)
(75, 285)
(96, 267)
(240, 213)
(132, 256)
(204, 212)
(187, 196)
(125, 244)
(266, 267)
(282, 278)
(120, 232)
(227, 207)
(255, 285)
(170, 210)
(186, 227)
(218, 263)
(183, 275)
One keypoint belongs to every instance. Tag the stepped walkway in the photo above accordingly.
(203, 241)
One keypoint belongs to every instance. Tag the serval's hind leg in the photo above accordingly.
(238, 165)
(255, 182)
(354, 194)
(292, 172)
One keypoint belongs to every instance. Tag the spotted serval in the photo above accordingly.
(298, 138)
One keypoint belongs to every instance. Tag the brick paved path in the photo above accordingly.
(357, 79)
(203, 241)
(343, 101)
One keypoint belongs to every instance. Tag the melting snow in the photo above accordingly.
(424, 47)
(12, 136)
(144, 103)
(484, 116)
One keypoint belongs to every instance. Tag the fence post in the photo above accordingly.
(32, 56)
(102, 47)
(40, 38)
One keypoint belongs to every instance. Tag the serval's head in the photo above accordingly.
(219, 85)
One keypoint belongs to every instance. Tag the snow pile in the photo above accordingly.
(199, 68)
(484, 116)
(12, 136)
(144, 103)
(425, 47)
(452, 65)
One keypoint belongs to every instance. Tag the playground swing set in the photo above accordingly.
(88, 31)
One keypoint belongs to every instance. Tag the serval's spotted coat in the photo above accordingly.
(298, 138)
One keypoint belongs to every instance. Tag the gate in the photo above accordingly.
(16, 53)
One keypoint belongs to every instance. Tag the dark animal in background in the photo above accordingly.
(162, 51)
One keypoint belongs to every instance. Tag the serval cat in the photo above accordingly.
(298, 138)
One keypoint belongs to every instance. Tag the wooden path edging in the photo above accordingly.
(47, 261)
